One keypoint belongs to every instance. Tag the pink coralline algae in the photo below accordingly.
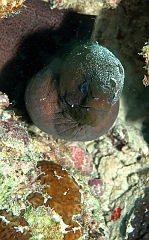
(81, 159)
(14, 130)
(116, 213)
(4, 101)
(97, 187)
(119, 136)
(9, 125)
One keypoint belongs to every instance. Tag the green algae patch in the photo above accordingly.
(45, 223)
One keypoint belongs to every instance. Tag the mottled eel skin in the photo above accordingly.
(75, 91)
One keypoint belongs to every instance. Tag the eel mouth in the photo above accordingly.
(92, 108)
(96, 103)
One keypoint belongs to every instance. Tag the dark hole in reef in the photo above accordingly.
(145, 130)
(120, 146)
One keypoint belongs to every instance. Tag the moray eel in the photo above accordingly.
(76, 96)
(73, 86)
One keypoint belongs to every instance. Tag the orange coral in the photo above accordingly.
(8, 231)
(64, 195)
(9, 6)
(36, 199)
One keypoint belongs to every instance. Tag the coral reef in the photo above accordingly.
(110, 176)
(145, 53)
(41, 180)
(10, 7)
(63, 192)
(77, 196)
(4, 102)
(123, 169)
(116, 213)
(139, 221)
(8, 227)
(127, 25)
(81, 158)
(97, 187)
(87, 7)
(10, 128)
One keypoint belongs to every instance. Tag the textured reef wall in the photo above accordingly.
(45, 191)
(87, 7)
(10, 7)
(98, 190)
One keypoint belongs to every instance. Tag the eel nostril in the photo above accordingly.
(96, 98)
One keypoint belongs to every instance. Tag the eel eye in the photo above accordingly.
(84, 88)
(113, 96)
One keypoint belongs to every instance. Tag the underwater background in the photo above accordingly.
(52, 188)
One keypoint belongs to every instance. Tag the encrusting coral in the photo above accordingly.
(56, 181)
(120, 158)
(43, 192)
(8, 225)
(10, 7)
(140, 220)
(65, 197)
(88, 7)
(145, 53)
